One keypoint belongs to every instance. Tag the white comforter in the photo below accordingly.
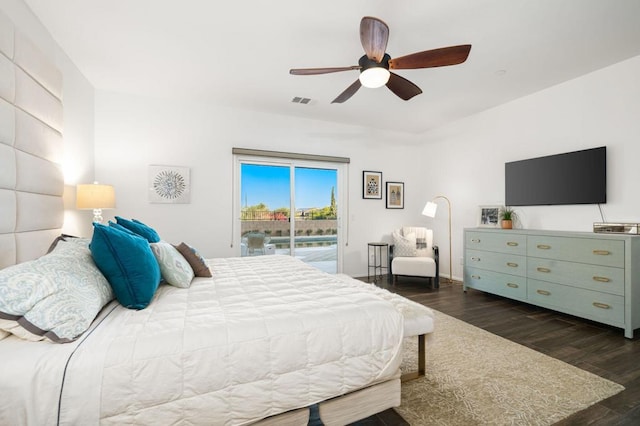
(265, 335)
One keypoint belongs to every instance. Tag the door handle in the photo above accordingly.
(543, 246)
(511, 264)
(544, 292)
(545, 270)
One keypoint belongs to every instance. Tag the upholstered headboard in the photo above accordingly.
(31, 179)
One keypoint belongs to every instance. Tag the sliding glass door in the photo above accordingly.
(289, 207)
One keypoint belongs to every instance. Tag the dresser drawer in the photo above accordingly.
(498, 242)
(591, 277)
(583, 250)
(506, 285)
(593, 305)
(507, 263)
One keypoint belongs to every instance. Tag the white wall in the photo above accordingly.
(78, 133)
(599, 109)
(133, 133)
(463, 160)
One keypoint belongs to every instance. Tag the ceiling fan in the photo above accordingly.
(374, 66)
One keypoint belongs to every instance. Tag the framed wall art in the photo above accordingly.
(169, 184)
(488, 216)
(372, 185)
(395, 195)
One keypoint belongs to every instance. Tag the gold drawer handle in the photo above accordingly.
(544, 292)
(601, 305)
(512, 285)
(475, 240)
(513, 265)
(512, 244)
(545, 270)
(543, 247)
(475, 259)
(475, 277)
(602, 252)
(601, 279)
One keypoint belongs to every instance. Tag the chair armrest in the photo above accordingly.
(436, 257)
(390, 258)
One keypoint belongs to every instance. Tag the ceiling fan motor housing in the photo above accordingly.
(366, 63)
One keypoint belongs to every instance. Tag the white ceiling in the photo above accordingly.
(238, 53)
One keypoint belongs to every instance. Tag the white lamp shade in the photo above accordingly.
(95, 196)
(374, 77)
(430, 209)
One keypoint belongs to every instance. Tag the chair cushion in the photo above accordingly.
(404, 245)
(414, 266)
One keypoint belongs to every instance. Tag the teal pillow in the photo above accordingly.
(122, 228)
(128, 263)
(139, 228)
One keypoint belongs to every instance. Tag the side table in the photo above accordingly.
(375, 262)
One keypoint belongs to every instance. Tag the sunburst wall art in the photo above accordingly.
(169, 184)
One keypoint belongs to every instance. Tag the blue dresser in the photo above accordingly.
(589, 275)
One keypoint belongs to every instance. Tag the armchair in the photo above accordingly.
(413, 254)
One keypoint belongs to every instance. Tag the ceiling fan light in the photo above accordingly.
(374, 77)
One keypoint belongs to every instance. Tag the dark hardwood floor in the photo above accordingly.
(591, 346)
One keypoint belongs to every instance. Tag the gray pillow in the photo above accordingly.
(404, 246)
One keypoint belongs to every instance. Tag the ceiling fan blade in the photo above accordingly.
(402, 87)
(349, 92)
(374, 35)
(442, 57)
(314, 71)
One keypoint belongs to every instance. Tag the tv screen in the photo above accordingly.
(578, 177)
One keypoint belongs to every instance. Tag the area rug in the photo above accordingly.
(477, 378)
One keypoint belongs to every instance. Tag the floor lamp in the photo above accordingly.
(430, 211)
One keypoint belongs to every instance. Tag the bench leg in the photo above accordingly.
(421, 362)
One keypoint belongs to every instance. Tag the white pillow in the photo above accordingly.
(404, 246)
(173, 266)
(56, 296)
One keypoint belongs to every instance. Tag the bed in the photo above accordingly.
(258, 342)
(264, 336)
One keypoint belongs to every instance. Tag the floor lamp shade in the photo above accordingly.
(430, 209)
(95, 197)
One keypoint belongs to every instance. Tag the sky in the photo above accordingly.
(270, 185)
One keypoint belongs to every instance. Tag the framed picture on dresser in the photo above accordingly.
(488, 216)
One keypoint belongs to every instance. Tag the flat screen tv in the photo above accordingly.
(578, 177)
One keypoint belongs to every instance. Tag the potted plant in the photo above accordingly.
(507, 216)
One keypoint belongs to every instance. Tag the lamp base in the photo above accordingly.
(97, 215)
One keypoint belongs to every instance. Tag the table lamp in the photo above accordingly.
(95, 197)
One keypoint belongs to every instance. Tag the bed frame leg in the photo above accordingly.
(422, 357)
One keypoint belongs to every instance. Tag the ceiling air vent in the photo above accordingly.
(299, 100)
